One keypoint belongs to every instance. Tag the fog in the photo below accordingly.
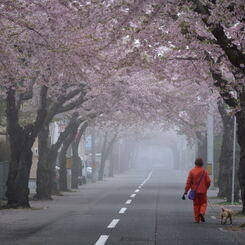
(154, 156)
(167, 150)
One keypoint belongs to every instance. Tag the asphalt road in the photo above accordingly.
(137, 208)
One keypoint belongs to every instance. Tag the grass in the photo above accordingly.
(58, 194)
(228, 203)
(239, 214)
(2, 203)
(4, 207)
(214, 198)
(69, 190)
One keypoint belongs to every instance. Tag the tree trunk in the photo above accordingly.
(237, 104)
(102, 168)
(112, 164)
(135, 153)
(21, 141)
(63, 170)
(62, 163)
(106, 149)
(241, 141)
(123, 154)
(76, 161)
(225, 169)
(202, 146)
(44, 165)
(76, 168)
(47, 182)
(18, 178)
(103, 158)
(62, 157)
(94, 164)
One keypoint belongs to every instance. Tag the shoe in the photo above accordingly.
(202, 217)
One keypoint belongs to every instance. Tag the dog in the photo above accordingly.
(225, 215)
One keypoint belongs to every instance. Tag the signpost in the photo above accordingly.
(233, 162)
(210, 143)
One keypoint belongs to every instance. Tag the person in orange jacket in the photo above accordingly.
(200, 201)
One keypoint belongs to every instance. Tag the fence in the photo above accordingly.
(3, 179)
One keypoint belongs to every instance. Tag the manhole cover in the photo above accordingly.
(135, 239)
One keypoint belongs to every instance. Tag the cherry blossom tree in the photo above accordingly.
(32, 58)
(47, 152)
(207, 36)
(156, 60)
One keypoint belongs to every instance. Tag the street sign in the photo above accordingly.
(210, 168)
(68, 163)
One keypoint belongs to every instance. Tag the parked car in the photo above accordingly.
(82, 180)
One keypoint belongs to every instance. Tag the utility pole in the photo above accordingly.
(210, 143)
(119, 156)
(93, 158)
(233, 162)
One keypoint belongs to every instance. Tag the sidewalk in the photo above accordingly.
(43, 213)
(16, 223)
(214, 208)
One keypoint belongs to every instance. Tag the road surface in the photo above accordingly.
(136, 208)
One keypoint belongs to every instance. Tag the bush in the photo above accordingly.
(4, 151)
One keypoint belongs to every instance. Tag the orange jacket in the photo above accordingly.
(194, 178)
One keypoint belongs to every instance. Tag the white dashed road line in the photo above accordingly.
(102, 240)
(213, 217)
(148, 177)
(113, 223)
(128, 201)
(122, 210)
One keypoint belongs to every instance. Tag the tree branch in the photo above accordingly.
(235, 56)
(42, 111)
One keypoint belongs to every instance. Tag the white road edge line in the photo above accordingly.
(113, 223)
(102, 240)
(133, 195)
(122, 210)
(128, 201)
